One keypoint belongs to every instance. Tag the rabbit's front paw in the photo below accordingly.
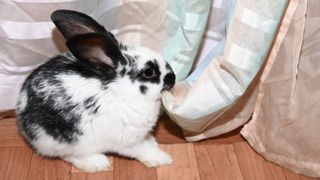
(160, 158)
(91, 163)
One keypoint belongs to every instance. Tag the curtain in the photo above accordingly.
(285, 124)
(28, 37)
(219, 98)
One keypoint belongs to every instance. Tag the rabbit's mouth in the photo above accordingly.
(168, 81)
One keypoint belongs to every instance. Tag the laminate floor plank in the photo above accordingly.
(78, 174)
(9, 135)
(44, 168)
(290, 175)
(184, 163)
(254, 166)
(308, 178)
(125, 169)
(5, 153)
(217, 162)
(18, 164)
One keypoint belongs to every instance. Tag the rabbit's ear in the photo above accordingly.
(95, 47)
(72, 23)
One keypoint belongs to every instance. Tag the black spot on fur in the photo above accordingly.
(61, 123)
(168, 67)
(130, 60)
(168, 81)
(123, 72)
(96, 109)
(153, 65)
(143, 89)
(90, 104)
(136, 57)
(123, 47)
(133, 73)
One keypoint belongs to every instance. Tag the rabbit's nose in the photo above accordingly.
(169, 81)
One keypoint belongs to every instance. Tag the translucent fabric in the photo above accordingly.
(28, 37)
(285, 125)
(27, 40)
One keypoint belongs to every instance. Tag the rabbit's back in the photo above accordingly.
(55, 96)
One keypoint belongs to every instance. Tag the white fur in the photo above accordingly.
(79, 87)
(122, 124)
(23, 100)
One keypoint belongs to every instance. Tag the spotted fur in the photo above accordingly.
(101, 97)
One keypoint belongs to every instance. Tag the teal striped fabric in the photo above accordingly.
(185, 26)
(197, 105)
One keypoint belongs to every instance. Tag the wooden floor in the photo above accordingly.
(223, 158)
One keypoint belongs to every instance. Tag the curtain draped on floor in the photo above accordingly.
(234, 59)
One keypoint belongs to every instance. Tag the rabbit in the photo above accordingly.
(101, 97)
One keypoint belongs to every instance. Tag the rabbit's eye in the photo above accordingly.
(149, 73)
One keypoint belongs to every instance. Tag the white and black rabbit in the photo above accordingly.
(104, 97)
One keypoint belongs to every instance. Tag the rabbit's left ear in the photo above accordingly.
(95, 47)
(71, 23)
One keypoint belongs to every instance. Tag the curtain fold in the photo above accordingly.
(218, 99)
(284, 128)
